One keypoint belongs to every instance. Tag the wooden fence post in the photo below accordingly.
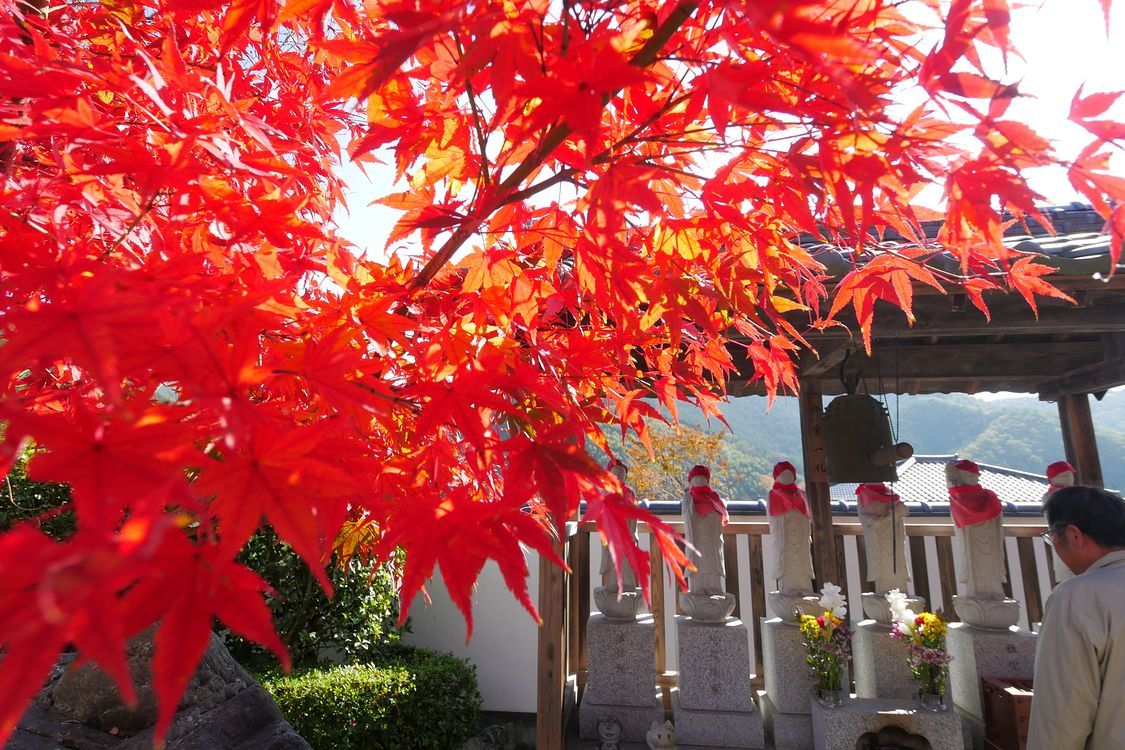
(552, 654)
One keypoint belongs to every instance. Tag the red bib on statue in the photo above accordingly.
(706, 500)
(973, 504)
(788, 497)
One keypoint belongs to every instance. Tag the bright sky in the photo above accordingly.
(1066, 46)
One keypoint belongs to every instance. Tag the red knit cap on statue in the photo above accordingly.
(969, 466)
(783, 467)
(699, 470)
(1059, 467)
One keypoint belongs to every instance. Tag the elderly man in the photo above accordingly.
(1079, 699)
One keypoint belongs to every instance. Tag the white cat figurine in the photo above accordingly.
(661, 736)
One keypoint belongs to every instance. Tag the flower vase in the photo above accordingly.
(932, 702)
(830, 698)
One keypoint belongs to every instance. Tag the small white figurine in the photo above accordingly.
(661, 736)
(609, 732)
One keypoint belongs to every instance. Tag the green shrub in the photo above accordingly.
(24, 500)
(416, 700)
(353, 626)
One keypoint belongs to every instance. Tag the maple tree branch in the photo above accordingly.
(477, 124)
(554, 138)
(565, 43)
(132, 225)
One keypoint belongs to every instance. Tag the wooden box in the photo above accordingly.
(1007, 711)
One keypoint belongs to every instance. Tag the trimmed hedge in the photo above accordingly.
(417, 699)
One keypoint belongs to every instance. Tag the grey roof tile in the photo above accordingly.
(921, 479)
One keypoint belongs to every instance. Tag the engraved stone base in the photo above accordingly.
(978, 653)
(877, 608)
(616, 606)
(789, 683)
(994, 614)
(881, 664)
(785, 731)
(714, 661)
(784, 605)
(841, 727)
(742, 729)
(707, 607)
(622, 659)
(635, 720)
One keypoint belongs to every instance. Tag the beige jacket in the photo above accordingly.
(1079, 701)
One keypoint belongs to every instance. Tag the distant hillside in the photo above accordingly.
(1019, 433)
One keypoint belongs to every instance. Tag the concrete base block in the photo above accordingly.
(881, 664)
(841, 727)
(635, 720)
(714, 661)
(785, 731)
(978, 653)
(789, 682)
(622, 659)
(695, 728)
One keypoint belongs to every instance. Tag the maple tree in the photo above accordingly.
(604, 198)
(658, 472)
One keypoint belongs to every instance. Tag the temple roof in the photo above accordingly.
(1070, 347)
(921, 479)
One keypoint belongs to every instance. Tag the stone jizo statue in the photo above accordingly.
(628, 580)
(618, 599)
(1059, 474)
(978, 518)
(705, 515)
(883, 515)
(790, 527)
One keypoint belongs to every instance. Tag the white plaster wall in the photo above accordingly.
(504, 644)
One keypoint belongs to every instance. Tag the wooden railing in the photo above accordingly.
(565, 596)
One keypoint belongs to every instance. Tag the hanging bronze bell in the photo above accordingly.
(857, 436)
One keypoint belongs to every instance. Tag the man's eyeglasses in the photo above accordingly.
(1048, 536)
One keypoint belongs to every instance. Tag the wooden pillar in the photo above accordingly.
(1079, 442)
(552, 655)
(816, 485)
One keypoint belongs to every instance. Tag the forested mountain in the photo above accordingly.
(1018, 433)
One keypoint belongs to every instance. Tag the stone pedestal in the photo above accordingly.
(978, 653)
(881, 664)
(714, 703)
(621, 680)
(842, 726)
(785, 731)
(789, 685)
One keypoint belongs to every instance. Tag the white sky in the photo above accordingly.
(1065, 44)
